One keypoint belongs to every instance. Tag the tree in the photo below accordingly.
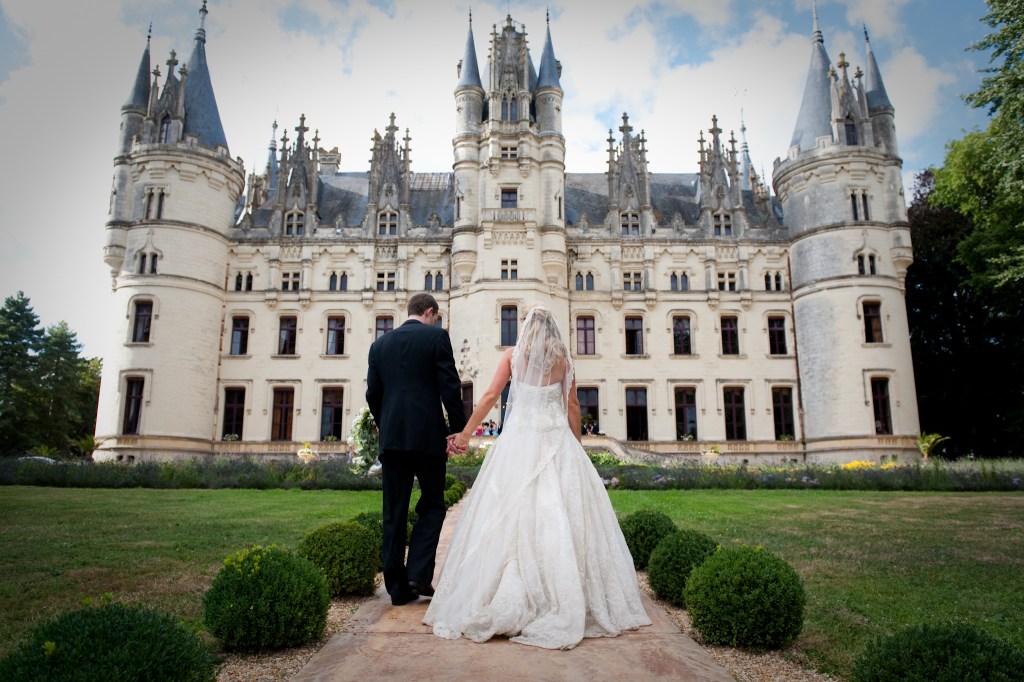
(964, 340)
(983, 174)
(64, 402)
(20, 340)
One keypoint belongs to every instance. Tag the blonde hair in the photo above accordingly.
(541, 336)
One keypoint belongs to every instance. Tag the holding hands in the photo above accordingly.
(457, 444)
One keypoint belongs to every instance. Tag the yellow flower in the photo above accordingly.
(49, 648)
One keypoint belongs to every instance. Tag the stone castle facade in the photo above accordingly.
(704, 311)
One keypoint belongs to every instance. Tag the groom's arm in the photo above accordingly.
(449, 383)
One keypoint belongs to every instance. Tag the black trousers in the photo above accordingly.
(398, 468)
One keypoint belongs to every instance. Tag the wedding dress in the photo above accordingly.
(538, 555)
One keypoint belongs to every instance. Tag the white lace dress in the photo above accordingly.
(537, 555)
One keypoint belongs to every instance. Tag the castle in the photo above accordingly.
(704, 312)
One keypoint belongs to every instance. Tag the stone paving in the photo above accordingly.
(385, 642)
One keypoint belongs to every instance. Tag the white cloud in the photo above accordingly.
(348, 65)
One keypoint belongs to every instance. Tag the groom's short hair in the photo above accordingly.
(421, 303)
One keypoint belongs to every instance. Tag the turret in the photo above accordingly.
(548, 93)
(133, 113)
(842, 197)
(167, 245)
(879, 108)
(469, 91)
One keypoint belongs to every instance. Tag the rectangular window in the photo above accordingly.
(290, 281)
(385, 323)
(332, 413)
(234, 412)
(510, 269)
(589, 409)
(681, 341)
(632, 281)
(634, 335)
(335, 335)
(777, 335)
(385, 281)
(509, 198)
(735, 419)
(853, 205)
(287, 334)
(509, 325)
(880, 402)
(240, 335)
(730, 335)
(782, 411)
(686, 413)
(585, 338)
(132, 405)
(630, 223)
(723, 224)
(281, 421)
(864, 203)
(727, 281)
(142, 322)
(872, 322)
(508, 152)
(636, 414)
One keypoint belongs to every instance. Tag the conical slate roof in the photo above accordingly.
(875, 88)
(202, 118)
(139, 99)
(548, 77)
(816, 107)
(470, 75)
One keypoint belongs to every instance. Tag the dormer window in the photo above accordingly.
(851, 132)
(387, 223)
(165, 130)
(295, 224)
(509, 108)
(723, 224)
(630, 222)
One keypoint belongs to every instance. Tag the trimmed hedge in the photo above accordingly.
(347, 553)
(643, 530)
(111, 643)
(746, 596)
(266, 598)
(674, 559)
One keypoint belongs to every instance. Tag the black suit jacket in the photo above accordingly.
(411, 374)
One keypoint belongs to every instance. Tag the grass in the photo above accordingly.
(162, 548)
(871, 561)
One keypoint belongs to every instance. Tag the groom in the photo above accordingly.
(411, 374)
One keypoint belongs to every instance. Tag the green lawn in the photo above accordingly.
(870, 561)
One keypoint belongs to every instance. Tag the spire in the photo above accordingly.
(875, 88)
(139, 99)
(272, 167)
(469, 75)
(746, 167)
(202, 118)
(549, 66)
(814, 120)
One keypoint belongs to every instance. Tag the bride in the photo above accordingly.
(537, 555)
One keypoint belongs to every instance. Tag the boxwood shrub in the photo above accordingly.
(643, 530)
(111, 643)
(674, 559)
(347, 553)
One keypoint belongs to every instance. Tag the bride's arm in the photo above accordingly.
(573, 409)
(487, 400)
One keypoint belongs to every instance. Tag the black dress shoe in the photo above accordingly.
(422, 589)
(404, 597)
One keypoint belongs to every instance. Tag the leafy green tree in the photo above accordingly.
(64, 402)
(965, 339)
(983, 173)
(20, 341)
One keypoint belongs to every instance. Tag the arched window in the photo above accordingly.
(428, 282)
(248, 282)
(238, 282)
(673, 282)
(165, 130)
(778, 281)
(439, 282)
(579, 281)
(343, 283)
(590, 281)
(142, 263)
(333, 282)
(767, 281)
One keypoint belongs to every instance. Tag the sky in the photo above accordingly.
(67, 67)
